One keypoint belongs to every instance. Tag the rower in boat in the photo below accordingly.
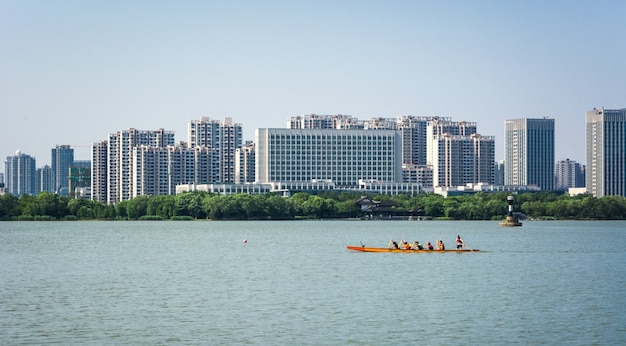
(440, 245)
(459, 242)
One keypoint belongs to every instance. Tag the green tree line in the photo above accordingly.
(202, 205)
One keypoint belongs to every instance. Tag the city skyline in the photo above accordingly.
(314, 148)
(75, 72)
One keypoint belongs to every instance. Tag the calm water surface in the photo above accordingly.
(293, 282)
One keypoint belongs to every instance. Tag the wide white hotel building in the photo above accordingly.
(344, 157)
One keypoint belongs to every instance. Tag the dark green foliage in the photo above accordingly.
(150, 218)
(328, 204)
(9, 206)
(182, 218)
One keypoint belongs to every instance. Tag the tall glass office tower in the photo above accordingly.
(62, 160)
(529, 152)
(606, 152)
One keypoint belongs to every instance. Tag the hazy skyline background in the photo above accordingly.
(71, 72)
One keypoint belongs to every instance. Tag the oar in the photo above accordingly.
(465, 244)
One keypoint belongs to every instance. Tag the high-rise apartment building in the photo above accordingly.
(224, 137)
(341, 156)
(418, 174)
(120, 148)
(112, 162)
(461, 159)
(20, 174)
(529, 152)
(381, 123)
(133, 163)
(440, 126)
(62, 160)
(244, 163)
(99, 171)
(457, 154)
(316, 121)
(499, 173)
(482, 159)
(413, 131)
(568, 174)
(45, 181)
(192, 166)
(149, 172)
(606, 152)
(157, 170)
(437, 127)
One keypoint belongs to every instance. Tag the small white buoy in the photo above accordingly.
(245, 241)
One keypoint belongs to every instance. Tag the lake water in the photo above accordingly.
(294, 282)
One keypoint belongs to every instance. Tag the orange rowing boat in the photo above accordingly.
(384, 249)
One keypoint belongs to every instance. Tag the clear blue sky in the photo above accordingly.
(71, 72)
